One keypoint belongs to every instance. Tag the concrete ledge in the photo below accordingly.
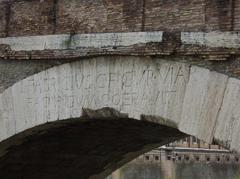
(68, 41)
(210, 46)
(212, 39)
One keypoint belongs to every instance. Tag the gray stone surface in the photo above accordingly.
(134, 86)
(227, 127)
(171, 93)
(12, 71)
(203, 99)
(101, 40)
(212, 39)
(74, 41)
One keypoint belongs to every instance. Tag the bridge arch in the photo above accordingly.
(81, 148)
(183, 97)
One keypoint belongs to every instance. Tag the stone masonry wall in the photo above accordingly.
(34, 17)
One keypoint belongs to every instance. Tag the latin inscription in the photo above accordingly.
(68, 89)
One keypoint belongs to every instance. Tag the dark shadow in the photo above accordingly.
(78, 148)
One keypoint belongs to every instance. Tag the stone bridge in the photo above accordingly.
(88, 85)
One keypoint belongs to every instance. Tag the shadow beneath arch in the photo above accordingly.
(80, 148)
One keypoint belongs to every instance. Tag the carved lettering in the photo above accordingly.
(128, 99)
(127, 87)
(105, 99)
(101, 80)
(180, 75)
(127, 79)
(46, 101)
(88, 82)
(78, 79)
(113, 78)
(116, 99)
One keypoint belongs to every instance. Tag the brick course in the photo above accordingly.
(3, 19)
(81, 16)
(31, 18)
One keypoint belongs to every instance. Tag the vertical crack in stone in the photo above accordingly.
(215, 124)
(184, 94)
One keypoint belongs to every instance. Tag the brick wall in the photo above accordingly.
(87, 16)
(219, 15)
(31, 17)
(99, 16)
(37, 17)
(174, 15)
(2, 19)
(237, 15)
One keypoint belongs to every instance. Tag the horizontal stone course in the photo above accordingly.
(212, 39)
(211, 46)
(65, 41)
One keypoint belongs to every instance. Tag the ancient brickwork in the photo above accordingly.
(81, 16)
(219, 15)
(125, 15)
(236, 15)
(2, 19)
(174, 16)
(31, 18)
(22, 17)
(99, 16)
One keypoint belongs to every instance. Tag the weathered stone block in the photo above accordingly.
(203, 99)
(228, 123)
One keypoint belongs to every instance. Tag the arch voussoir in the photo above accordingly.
(192, 99)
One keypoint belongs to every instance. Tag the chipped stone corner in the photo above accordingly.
(226, 144)
(159, 120)
(103, 113)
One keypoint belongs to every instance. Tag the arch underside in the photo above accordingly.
(80, 148)
(185, 97)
